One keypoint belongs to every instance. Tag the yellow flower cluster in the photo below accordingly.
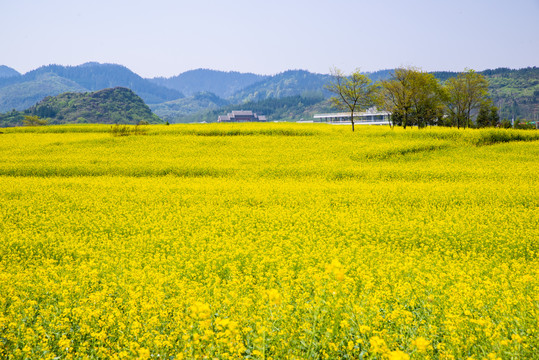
(268, 241)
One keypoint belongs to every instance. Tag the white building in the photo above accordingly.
(370, 117)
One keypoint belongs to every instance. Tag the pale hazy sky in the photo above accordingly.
(166, 37)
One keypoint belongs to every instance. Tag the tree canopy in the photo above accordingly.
(465, 93)
(413, 97)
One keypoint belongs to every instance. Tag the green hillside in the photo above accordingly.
(108, 106)
(288, 83)
(515, 92)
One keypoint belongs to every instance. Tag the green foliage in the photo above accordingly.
(126, 130)
(524, 125)
(487, 116)
(117, 105)
(413, 97)
(12, 118)
(34, 120)
(506, 124)
(515, 92)
(465, 94)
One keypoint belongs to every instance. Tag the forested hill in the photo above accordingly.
(515, 92)
(7, 72)
(288, 83)
(220, 83)
(85, 77)
(109, 106)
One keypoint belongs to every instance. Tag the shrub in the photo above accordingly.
(126, 130)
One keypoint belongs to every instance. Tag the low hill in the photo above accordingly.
(7, 72)
(109, 106)
(87, 77)
(223, 84)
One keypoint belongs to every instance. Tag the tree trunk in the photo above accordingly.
(405, 120)
(352, 119)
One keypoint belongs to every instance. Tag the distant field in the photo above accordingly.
(281, 241)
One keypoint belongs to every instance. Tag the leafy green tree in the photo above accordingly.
(413, 97)
(487, 116)
(465, 94)
(506, 124)
(494, 116)
(396, 96)
(354, 92)
(427, 96)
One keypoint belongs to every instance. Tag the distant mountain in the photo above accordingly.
(289, 84)
(515, 92)
(22, 95)
(379, 75)
(7, 72)
(286, 84)
(176, 110)
(222, 84)
(87, 77)
(109, 106)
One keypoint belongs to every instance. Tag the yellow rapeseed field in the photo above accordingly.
(269, 241)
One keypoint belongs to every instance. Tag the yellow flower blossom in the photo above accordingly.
(421, 344)
(280, 240)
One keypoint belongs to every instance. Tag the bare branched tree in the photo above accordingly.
(353, 93)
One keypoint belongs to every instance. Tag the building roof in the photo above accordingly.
(241, 116)
(242, 113)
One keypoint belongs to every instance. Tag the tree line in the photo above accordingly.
(417, 98)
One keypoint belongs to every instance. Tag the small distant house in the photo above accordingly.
(241, 116)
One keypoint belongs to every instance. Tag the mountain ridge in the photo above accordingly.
(7, 72)
(221, 83)
(91, 77)
(514, 91)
